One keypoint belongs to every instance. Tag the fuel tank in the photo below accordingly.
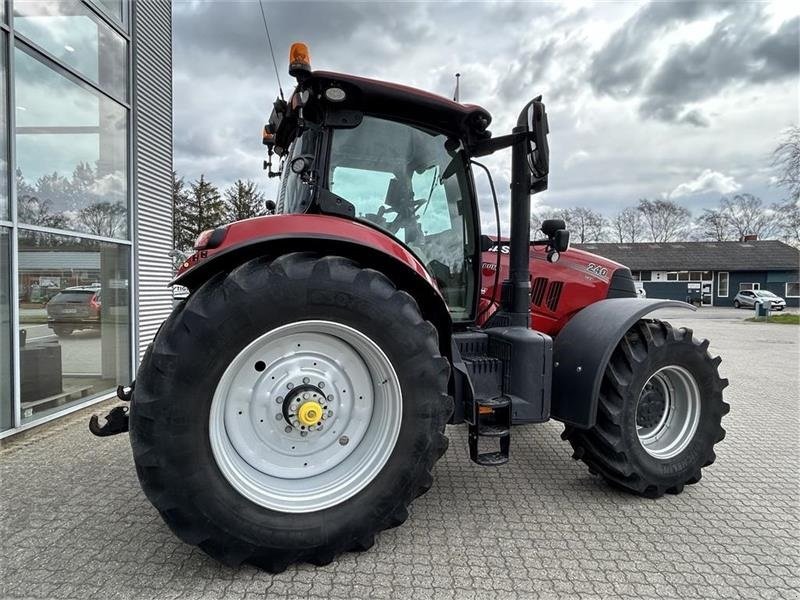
(559, 289)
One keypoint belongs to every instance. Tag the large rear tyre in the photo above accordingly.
(289, 411)
(659, 412)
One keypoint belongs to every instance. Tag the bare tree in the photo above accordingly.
(786, 159)
(714, 225)
(104, 218)
(584, 224)
(664, 220)
(626, 226)
(789, 217)
(747, 215)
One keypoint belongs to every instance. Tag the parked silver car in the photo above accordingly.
(748, 298)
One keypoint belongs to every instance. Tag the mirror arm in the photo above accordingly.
(492, 145)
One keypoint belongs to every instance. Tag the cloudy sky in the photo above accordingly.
(673, 99)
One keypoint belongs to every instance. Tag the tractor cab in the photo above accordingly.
(391, 157)
(408, 181)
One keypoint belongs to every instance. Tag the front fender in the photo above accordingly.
(582, 349)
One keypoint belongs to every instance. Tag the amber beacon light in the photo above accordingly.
(299, 60)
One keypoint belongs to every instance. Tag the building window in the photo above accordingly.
(722, 284)
(749, 286)
(6, 380)
(792, 289)
(74, 320)
(65, 247)
(115, 8)
(683, 276)
(78, 38)
(5, 209)
(71, 147)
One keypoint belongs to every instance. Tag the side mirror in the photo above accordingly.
(561, 240)
(270, 206)
(538, 148)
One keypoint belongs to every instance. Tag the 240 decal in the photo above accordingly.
(597, 270)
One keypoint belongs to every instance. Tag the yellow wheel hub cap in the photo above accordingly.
(309, 413)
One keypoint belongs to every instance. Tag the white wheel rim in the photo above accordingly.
(674, 427)
(259, 443)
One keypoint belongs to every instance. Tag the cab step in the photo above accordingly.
(492, 421)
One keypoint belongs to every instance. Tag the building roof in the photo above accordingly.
(762, 255)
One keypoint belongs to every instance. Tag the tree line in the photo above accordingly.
(664, 220)
(199, 205)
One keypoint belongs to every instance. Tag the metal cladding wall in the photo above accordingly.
(152, 149)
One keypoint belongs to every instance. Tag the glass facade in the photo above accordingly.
(71, 153)
(65, 247)
(77, 38)
(6, 366)
(5, 208)
(74, 317)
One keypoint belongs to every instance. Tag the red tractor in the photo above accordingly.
(293, 406)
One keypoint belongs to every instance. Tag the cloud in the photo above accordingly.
(576, 157)
(621, 126)
(740, 50)
(707, 181)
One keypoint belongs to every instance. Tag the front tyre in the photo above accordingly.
(659, 412)
(289, 411)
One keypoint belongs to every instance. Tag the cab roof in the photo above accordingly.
(393, 100)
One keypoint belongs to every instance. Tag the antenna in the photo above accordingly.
(457, 93)
(271, 51)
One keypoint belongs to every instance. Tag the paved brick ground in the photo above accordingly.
(76, 525)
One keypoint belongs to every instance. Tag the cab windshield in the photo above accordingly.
(411, 183)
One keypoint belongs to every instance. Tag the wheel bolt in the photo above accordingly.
(289, 385)
(344, 440)
(278, 416)
(288, 429)
(305, 380)
(321, 384)
(279, 399)
(330, 413)
(303, 433)
(305, 396)
(330, 397)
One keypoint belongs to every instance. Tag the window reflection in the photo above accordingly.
(5, 331)
(71, 153)
(4, 204)
(74, 320)
(112, 7)
(77, 37)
